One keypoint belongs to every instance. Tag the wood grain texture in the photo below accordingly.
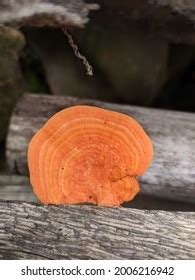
(30, 231)
(45, 12)
(172, 174)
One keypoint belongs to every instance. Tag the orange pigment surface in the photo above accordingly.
(86, 154)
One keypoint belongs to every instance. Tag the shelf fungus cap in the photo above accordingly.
(85, 154)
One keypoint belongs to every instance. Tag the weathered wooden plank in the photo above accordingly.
(45, 12)
(172, 174)
(84, 232)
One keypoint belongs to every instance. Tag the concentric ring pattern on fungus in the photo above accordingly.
(85, 154)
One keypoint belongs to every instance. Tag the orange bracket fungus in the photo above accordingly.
(85, 154)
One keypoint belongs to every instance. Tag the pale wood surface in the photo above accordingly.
(30, 231)
(172, 174)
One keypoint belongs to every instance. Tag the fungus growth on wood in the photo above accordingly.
(87, 154)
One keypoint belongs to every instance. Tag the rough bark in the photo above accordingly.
(30, 231)
(172, 174)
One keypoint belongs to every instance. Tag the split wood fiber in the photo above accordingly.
(30, 231)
